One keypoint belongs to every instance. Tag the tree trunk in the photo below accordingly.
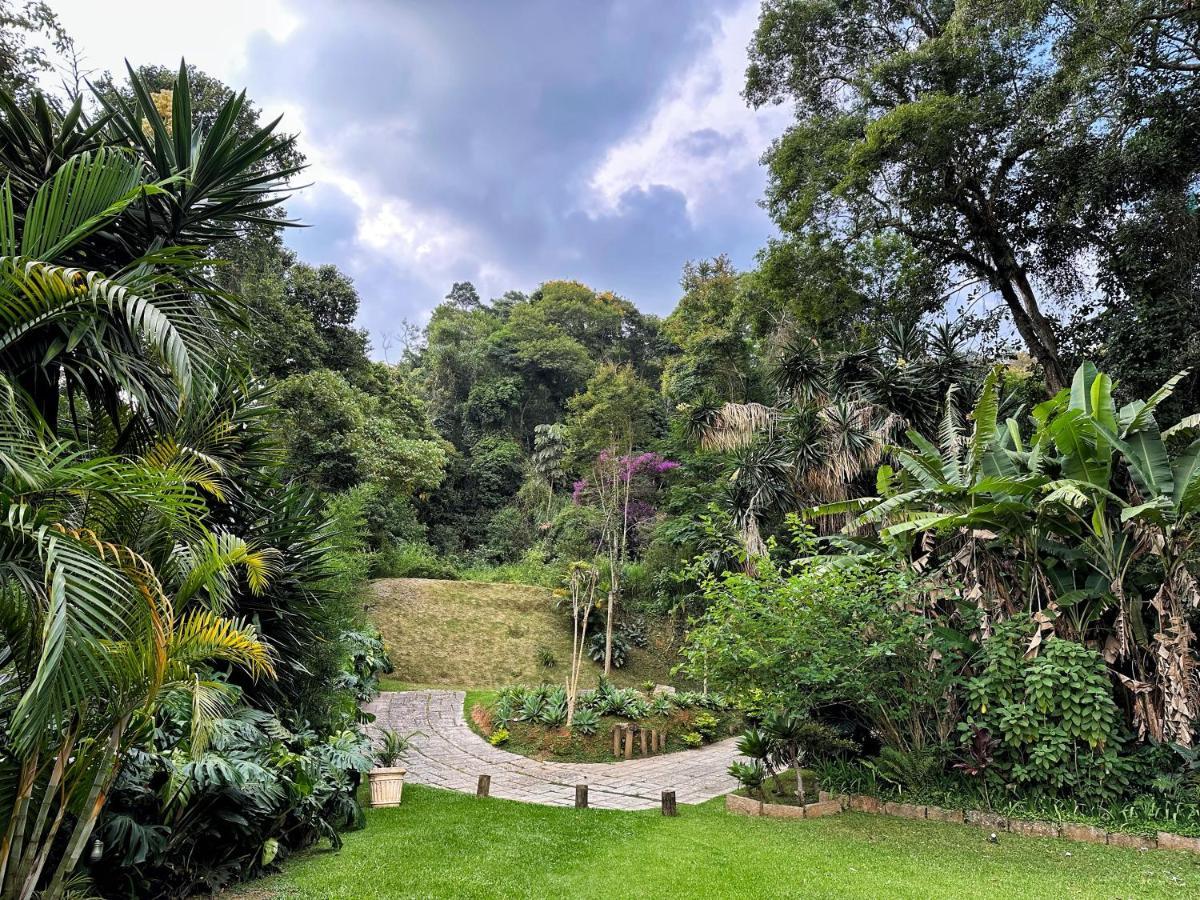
(1009, 277)
(105, 773)
(608, 633)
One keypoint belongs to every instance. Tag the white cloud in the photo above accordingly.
(428, 245)
(212, 35)
(701, 132)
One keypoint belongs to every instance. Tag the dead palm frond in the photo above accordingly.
(735, 425)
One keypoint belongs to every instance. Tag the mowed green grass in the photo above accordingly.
(443, 844)
(474, 634)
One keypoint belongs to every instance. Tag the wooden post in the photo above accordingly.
(662, 741)
(668, 803)
(616, 740)
(485, 785)
(642, 734)
(629, 742)
(581, 796)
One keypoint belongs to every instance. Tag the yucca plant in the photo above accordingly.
(837, 415)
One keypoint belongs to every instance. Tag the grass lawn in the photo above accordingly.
(442, 844)
(454, 633)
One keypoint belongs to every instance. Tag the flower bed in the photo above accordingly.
(531, 720)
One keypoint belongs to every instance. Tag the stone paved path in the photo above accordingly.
(450, 755)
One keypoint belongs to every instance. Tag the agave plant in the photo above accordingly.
(586, 721)
(530, 708)
(554, 712)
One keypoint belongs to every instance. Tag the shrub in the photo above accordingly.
(828, 633)
(499, 736)
(411, 560)
(1053, 717)
(749, 774)
(636, 633)
(546, 658)
(907, 770)
(257, 782)
(620, 648)
(532, 568)
(693, 739)
(367, 659)
(706, 725)
(509, 533)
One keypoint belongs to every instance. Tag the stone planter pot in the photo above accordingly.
(387, 784)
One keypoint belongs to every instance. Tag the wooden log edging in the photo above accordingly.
(1070, 831)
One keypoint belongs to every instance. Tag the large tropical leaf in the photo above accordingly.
(1074, 434)
(74, 304)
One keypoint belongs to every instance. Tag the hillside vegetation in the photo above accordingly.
(478, 634)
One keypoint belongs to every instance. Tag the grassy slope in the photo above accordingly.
(477, 634)
(440, 844)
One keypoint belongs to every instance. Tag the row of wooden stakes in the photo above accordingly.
(651, 739)
(669, 807)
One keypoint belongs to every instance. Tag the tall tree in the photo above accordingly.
(976, 136)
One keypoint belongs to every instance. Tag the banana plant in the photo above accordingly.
(1058, 518)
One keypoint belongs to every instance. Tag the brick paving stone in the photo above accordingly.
(445, 752)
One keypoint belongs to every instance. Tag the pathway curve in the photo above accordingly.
(448, 754)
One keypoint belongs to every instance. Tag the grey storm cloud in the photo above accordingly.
(494, 116)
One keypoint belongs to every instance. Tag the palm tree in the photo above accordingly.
(117, 565)
(837, 415)
(90, 636)
(103, 290)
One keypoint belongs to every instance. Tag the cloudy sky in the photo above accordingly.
(504, 143)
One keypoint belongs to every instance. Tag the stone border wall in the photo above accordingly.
(747, 806)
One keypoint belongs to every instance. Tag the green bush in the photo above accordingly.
(693, 739)
(706, 725)
(366, 661)
(828, 633)
(532, 568)
(257, 782)
(510, 532)
(620, 648)
(499, 736)
(750, 775)
(1053, 719)
(413, 561)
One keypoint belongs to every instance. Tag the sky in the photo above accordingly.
(502, 143)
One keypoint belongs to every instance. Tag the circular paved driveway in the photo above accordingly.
(448, 754)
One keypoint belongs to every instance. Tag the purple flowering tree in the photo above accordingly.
(623, 488)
